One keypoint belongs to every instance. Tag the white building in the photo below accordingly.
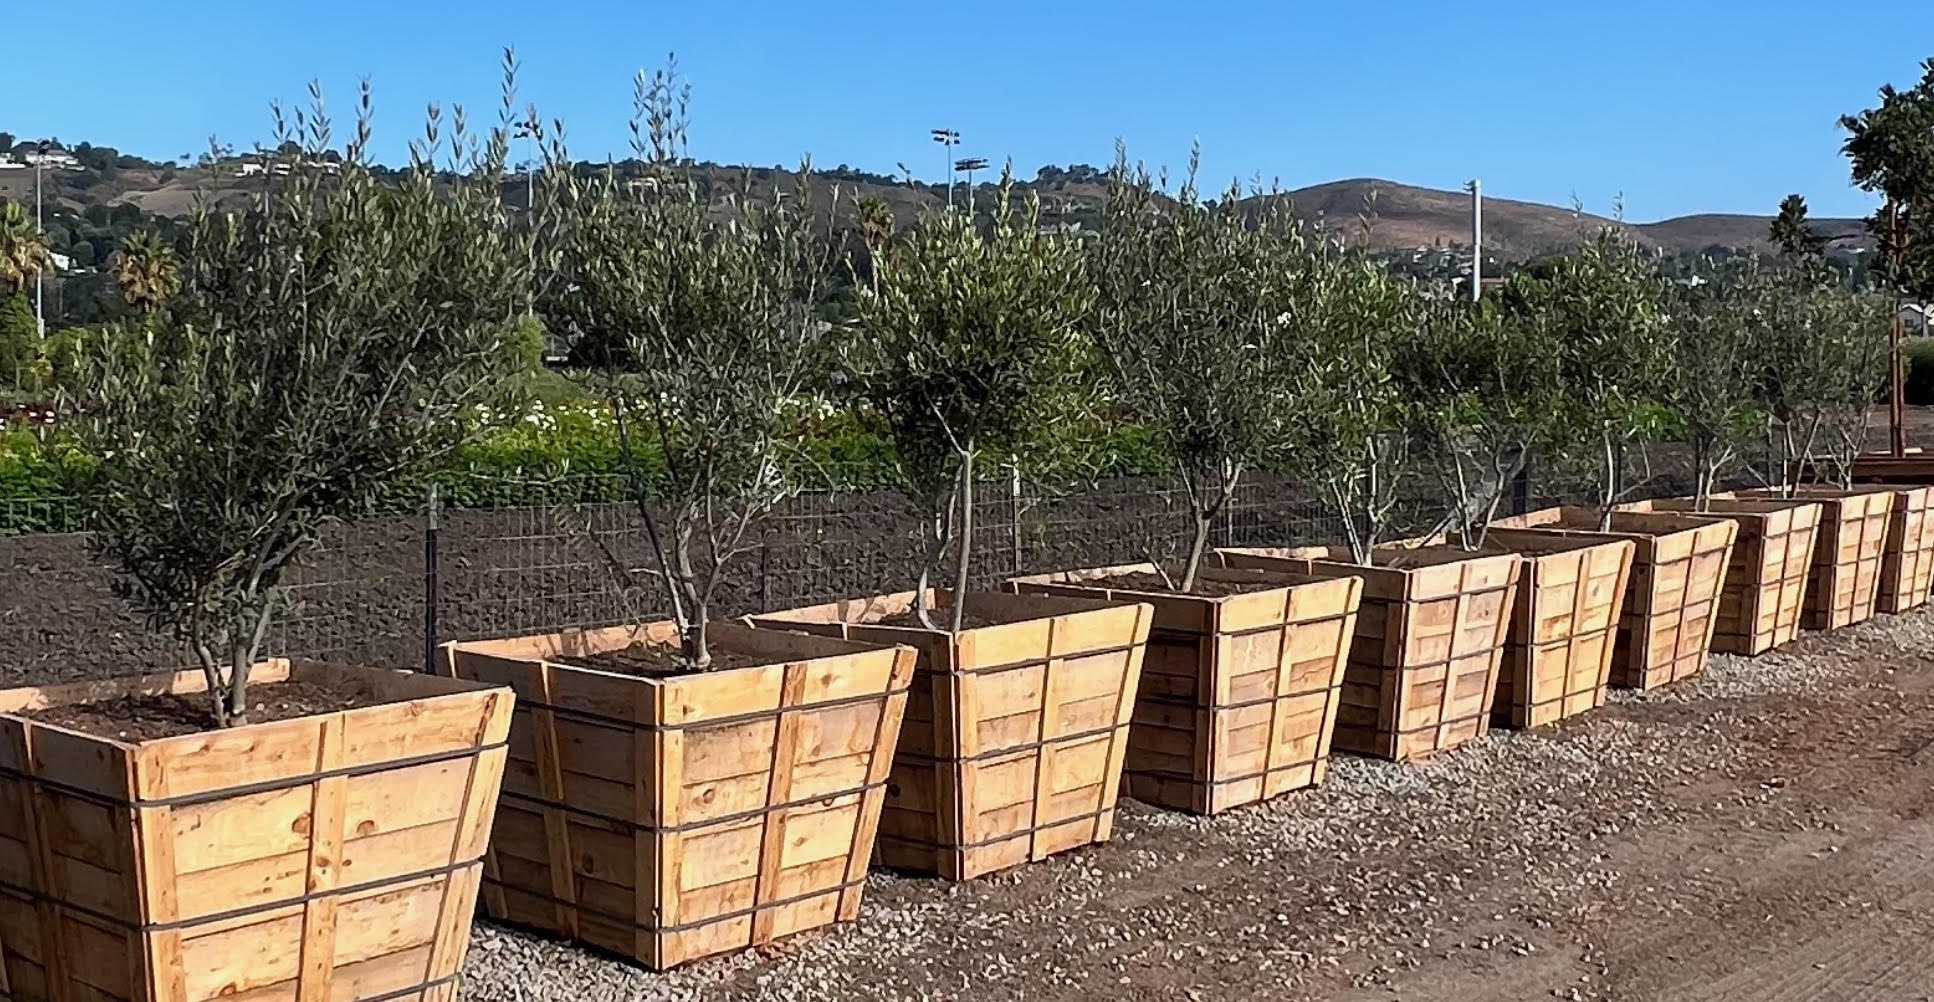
(50, 160)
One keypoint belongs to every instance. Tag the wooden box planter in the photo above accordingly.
(1907, 566)
(1564, 625)
(1848, 552)
(1672, 595)
(332, 856)
(1423, 667)
(676, 817)
(1765, 591)
(1016, 728)
(1238, 694)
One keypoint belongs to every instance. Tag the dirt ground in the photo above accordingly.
(1760, 832)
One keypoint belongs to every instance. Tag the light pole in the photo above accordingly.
(969, 165)
(948, 139)
(40, 233)
(1476, 188)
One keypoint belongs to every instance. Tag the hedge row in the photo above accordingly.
(569, 459)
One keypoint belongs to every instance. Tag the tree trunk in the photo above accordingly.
(697, 650)
(238, 667)
(966, 534)
(1198, 542)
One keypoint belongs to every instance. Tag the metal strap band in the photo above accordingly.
(632, 922)
(235, 913)
(925, 757)
(267, 786)
(620, 723)
(997, 839)
(1170, 776)
(637, 826)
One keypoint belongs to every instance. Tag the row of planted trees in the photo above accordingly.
(680, 786)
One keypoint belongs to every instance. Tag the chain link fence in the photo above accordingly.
(384, 590)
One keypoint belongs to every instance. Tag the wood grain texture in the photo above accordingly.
(1849, 548)
(1423, 665)
(1672, 595)
(1016, 731)
(1238, 696)
(303, 859)
(1564, 627)
(1764, 597)
(1907, 553)
(668, 819)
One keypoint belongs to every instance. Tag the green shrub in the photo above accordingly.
(1919, 366)
(19, 344)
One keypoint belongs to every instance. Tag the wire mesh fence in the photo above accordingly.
(384, 590)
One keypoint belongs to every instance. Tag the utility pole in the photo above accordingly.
(948, 139)
(1476, 188)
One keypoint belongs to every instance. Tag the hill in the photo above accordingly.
(1407, 217)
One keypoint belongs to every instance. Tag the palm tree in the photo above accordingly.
(145, 271)
(22, 251)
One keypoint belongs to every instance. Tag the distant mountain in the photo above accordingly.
(1407, 217)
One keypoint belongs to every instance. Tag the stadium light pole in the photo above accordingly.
(948, 139)
(969, 165)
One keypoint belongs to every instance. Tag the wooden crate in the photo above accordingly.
(1430, 637)
(1238, 694)
(1564, 625)
(1848, 551)
(1907, 556)
(334, 856)
(1765, 591)
(1915, 467)
(1015, 730)
(1907, 569)
(1672, 595)
(667, 819)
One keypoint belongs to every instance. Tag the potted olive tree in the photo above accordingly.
(1199, 333)
(1486, 385)
(1430, 634)
(1015, 737)
(328, 337)
(1820, 351)
(706, 311)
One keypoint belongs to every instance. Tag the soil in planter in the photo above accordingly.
(647, 659)
(146, 717)
(942, 618)
(1150, 582)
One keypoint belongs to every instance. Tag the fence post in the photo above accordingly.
(1521, 487)
(1014, 515)
(430, 583)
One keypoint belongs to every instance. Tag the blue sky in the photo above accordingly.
(1688, 106)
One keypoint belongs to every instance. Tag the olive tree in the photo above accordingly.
(1604, 303)
(1355, 431)
(712, 302)
(1196, 329)
(328, 338)
(1820, 355)
(1710, 349)
(965, 329)
(1485, 386)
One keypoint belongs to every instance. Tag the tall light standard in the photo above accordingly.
(948, 139)
(968, 166)
(40, 233)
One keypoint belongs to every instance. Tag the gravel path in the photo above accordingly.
(1755, 832)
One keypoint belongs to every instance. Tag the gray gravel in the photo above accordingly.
(1357, 882)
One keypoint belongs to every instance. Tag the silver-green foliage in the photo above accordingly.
(1200, 328)
(965, 331)
(1605, 304)
(1706, 381)
(1485, 387)
(328, 338)
(713, 303)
